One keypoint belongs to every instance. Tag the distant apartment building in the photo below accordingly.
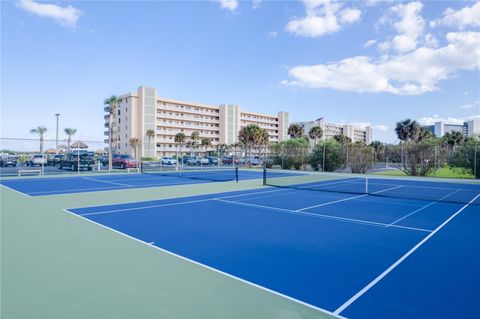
(356, 134)
(468, 128)
(144, 110)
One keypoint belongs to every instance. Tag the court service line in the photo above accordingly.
(399, 261)
(105, 181)
(171, 204)
(244, 281)
(322, 216)
(422, 208)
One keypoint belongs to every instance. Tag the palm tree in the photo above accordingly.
(112, 103)
(315, 133)
(40, 131)
(250, 136)
(453, 138)
(133, 143)
(180, 139)
(295, 131)
(409, 130)
(206, 142)
(194, 137)
(190, 145)
(263, 140)
(70, 132)
(221, 149)
(150, 134)
(343, 139)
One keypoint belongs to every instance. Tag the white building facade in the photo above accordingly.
(356, 134)
(468, 128)
(145, 110)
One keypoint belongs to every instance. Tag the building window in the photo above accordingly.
(118, 111)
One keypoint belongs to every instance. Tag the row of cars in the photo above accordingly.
(210, 160)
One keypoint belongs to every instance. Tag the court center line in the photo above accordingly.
(322, 216)
(399, 261)
(210, 268)
(422, 208)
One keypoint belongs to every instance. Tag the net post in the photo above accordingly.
(366, 185)
(141, 167)
(264, 176)
(236, 173)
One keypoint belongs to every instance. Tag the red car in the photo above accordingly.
(124, 161)
(230, 160)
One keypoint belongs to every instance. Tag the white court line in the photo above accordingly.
(105, 181)
(399, 261)
(322, 216)
(169, 204)
(14, 190)
(212, 269)
(422, 208)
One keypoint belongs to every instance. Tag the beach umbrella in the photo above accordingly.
(50, 151)
(79, 144)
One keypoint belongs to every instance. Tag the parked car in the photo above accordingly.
(124, 161)
(77, 160)
(167, 160)
(103, 160)
(185, 159)
(256, 160)
(230, 160)
(8, 160)
(197, 160)
(55, 159)
(212, 160)
(36, 159)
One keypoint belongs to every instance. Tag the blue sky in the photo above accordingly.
(371, 62)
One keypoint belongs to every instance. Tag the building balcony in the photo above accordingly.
(107, 109)
(106, 133)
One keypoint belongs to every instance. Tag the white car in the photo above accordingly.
(256, 160)
(37, 159)
(169, 161)
(197, 160)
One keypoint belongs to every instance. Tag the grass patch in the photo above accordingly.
(444, 172)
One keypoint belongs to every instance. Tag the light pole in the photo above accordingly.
(56, 136)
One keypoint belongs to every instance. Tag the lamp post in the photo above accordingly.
(56, 136)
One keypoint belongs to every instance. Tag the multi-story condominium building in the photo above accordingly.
(330, 130)
(144, 110)
(468, 128)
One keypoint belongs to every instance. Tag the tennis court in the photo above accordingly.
(106, 182)
(349, 247)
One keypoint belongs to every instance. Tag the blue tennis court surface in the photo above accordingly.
(354, 255)
(92, 183)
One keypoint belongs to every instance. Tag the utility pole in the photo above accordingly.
(56, 137)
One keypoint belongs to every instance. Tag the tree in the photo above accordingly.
(315, 133)
(69, 132)
(453, 138)
(328, 156)
(41, 130)
(361, 157)
(295, 131)
(112, 103)
(343, 139)
(291, 153)
(222, 148)
(191, 145)
(180, 140)
(250, 136)
(206, 142)
(150, 134)
(408, 130)
(378, 150)
(134, 143)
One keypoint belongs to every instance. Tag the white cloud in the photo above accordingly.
(231, 5)
(413, 73)
(471, 105)
(322, 17)
(256, 4)
(67, 16)
(380, 127)
(273, 34)
(463, 18)
(430, 120)
(369, 43)
(350, 15)
(409, 25)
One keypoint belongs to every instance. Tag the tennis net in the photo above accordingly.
(421, 189)
(208, 173)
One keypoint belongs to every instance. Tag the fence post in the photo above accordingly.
(475, 161)
(323, 163)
